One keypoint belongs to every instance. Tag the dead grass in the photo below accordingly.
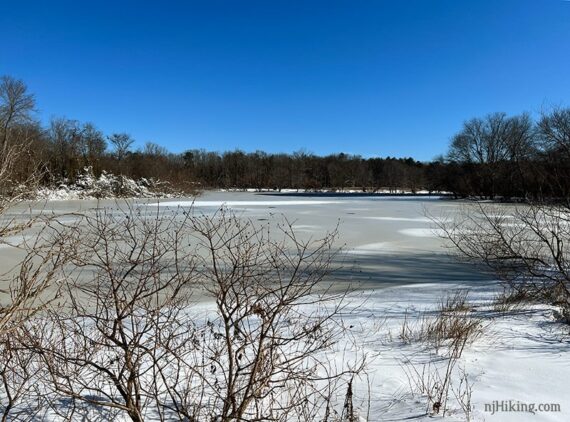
(509, 300)
(452, 322)
(449, 329)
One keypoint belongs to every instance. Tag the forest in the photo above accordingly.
(496, 156)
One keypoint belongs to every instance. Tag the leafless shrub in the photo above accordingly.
(407, 329)
(463, 394)
(457, 328)
(31, 288)
(16, 374)
(435, 379)
(349, 413)
(451, 328)
(37, 280)
(424, 380)
(22, 291)
(510, 300)
(526, 246)
(125, 290)
(455, 301)
(130, 339)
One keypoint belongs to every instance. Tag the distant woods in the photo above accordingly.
(496, 156)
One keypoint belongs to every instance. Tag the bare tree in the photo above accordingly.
(122, 143)
(92, 145)
(494, 146)
(16, 104)
(23, 288)
(481, 140)
(554, 131)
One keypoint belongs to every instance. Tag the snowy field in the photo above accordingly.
(517, 365)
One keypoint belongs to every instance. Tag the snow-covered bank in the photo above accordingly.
(516, 368)
(521, 359)
(107, 185)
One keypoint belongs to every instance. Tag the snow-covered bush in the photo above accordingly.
(107, 185)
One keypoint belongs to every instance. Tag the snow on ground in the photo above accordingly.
(521, 359)
(341, 191)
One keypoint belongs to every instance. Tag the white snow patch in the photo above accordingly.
(306, 228)
(522, 356)
(415, 220)
(421, 232)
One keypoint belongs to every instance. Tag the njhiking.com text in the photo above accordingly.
(515, 406)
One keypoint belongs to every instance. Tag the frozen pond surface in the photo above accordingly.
(389, 240)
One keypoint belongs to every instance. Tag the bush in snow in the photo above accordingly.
(107, 185)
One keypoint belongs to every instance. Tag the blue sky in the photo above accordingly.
(374, 78)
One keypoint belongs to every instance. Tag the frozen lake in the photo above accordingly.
(388, 240)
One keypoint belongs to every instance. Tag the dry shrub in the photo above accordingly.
(463, 394)
(452, 322)
(510, 300)
(177, 316)
(435, 379)
(449, 329)
(455, 301)
(526, 246)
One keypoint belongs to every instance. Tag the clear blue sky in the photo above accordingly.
(367, 77)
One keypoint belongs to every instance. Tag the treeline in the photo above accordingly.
(497, 156)
(60, 152)
(302, 170)
(511, 157)
(494, 156)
